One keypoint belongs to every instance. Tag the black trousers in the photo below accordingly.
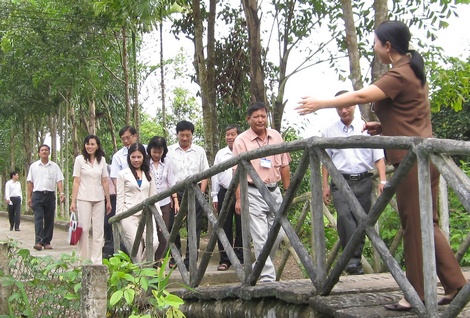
(228, 229)
(347, 222)
(198, 227)
(108, 229)
(14, 212)
(43, 204)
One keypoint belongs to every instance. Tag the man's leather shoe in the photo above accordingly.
(354, 269)
(37, 247)
(397, 307)
(48, 247)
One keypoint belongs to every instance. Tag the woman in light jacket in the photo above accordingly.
(90, 187)
(134, 185)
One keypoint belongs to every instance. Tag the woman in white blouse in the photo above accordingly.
(164, 178)
(90, 187)
(134, 185)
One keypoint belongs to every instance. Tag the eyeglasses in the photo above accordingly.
(126, 138)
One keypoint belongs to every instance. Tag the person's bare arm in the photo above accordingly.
(369, 94)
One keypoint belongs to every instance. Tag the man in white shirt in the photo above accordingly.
(13, 197)
(186, 160)
(43, 178)
(220, 184)
(354, 164)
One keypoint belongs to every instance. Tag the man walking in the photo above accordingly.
(187, 159)
(13, 198)
(354, 164)
(220, 184)
(43, 178)
(271, 170)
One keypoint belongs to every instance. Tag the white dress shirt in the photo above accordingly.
(12, 189)
(44, 177)
(353, 160)
(223, 178)
(187, 163)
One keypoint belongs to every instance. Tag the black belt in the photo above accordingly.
(112, 195)
(357, 176)
(272, 189)
(18, 197)
(45, 192)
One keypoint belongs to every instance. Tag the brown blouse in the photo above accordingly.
(406, 111)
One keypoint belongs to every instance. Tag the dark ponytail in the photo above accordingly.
(399, 36)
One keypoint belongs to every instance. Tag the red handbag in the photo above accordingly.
(75, 230)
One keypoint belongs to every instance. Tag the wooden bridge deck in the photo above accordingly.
(352, 297)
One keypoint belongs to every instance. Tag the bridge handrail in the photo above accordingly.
(422, 150)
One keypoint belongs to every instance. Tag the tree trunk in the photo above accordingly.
(378, 68)
(257, 88)
(135, 86)
(205, 73)
(353, 52)
(126, 75)
(162, 83)
(92, 117)
(279, 103)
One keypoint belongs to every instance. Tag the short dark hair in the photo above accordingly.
(127, 128)
(44, 145)
(184, 125)
(157, 142)
(256, 106)
(232, 126)
(12, 174)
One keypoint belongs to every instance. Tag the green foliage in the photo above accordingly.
(41, 285)
(138, 291)
(459, 219)
(450, 87)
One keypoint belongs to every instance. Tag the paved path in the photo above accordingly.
(26, 236)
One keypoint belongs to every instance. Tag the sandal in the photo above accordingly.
(223, 267)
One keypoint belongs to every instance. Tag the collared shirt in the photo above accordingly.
(186, 163)
(90, 188)
(119, 161)
(12, 189)
(223, 178)
(163, 177)
(353, 160)
(44, 177)
(249, 140)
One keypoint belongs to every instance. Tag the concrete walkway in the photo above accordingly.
(26, 236)
(59, 243)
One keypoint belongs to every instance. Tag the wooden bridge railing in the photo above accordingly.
(422, 151)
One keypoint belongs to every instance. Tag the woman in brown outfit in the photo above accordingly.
(401, 103)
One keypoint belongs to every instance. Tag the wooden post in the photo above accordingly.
(5, 291)
(93, 299)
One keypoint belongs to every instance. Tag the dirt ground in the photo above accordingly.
(291, 268)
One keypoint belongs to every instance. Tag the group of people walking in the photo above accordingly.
(400, 100)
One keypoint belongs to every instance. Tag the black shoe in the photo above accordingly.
(11, 228)
(172, 264)
(354, 269)
(17, 230)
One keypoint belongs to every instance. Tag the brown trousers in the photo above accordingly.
(448, 269)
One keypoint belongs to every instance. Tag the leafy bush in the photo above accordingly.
(138, 291)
